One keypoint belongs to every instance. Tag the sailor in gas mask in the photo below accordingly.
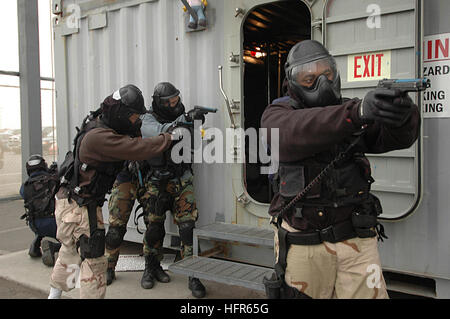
(107, 138)
(159, 185)
(326, 238)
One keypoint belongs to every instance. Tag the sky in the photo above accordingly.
(9, 61)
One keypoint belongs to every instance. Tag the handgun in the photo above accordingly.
(204, 110)
(199, 110)
(405, 85)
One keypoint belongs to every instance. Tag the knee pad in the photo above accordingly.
(114, 237)
(94, 246)
(155, 233)
(186, 230)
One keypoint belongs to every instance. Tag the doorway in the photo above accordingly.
(270, 31)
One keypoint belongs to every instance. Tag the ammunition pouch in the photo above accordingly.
(365, 220)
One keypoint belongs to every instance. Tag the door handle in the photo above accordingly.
(227, 101)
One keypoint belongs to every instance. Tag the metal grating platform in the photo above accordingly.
(222, 271)
(240, 233)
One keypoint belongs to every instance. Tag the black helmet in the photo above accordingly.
(162, 94)
(131, 96)
(312, 76)
(36, 163)
(120, 106)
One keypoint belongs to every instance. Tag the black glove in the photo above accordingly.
(193, 115)
(390, 107)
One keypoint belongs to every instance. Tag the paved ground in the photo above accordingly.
(24, 277)
(13, 290)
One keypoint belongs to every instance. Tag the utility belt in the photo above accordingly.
(363, 224)
(143, 173)
(331, 234)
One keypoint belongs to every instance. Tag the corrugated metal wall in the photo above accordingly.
(145, 44)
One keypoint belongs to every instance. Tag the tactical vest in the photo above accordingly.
(347, 183)
(162, 165)
(104, 175)
(39, 195)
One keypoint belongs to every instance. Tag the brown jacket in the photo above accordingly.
(104, 145)
(305, 132)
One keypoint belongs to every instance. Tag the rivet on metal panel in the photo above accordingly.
(239, 11)
(243, 199)
(57, 7)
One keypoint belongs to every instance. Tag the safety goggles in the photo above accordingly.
(306, 74)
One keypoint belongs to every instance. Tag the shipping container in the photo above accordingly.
(236, 64)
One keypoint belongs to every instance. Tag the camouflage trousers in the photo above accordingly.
(345, 270)
(69, 270)
(178, 197)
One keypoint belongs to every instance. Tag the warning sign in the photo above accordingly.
(436, 67)
(369, 66)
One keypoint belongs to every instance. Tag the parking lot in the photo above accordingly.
(11, 173)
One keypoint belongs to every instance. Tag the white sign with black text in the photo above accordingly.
(436, 67)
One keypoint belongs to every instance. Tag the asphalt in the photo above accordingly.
(23, 277)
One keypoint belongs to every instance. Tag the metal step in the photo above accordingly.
(233, 232)
(222, 271)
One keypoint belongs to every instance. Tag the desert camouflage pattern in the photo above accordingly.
(345, 270)
(73, 222)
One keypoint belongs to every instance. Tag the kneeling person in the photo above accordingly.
(38, 193)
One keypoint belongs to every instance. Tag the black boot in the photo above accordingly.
(153, 270)
(35, 247)
(110, 276)
(148, 281)
(197, 288)
(50, 246)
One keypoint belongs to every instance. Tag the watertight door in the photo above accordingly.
(268, 28)
(370, 41)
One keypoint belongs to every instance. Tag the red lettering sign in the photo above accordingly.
(368, 68)
(437, 49)
(357, 66)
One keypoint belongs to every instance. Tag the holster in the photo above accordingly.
(275, 286)
(93, 246)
